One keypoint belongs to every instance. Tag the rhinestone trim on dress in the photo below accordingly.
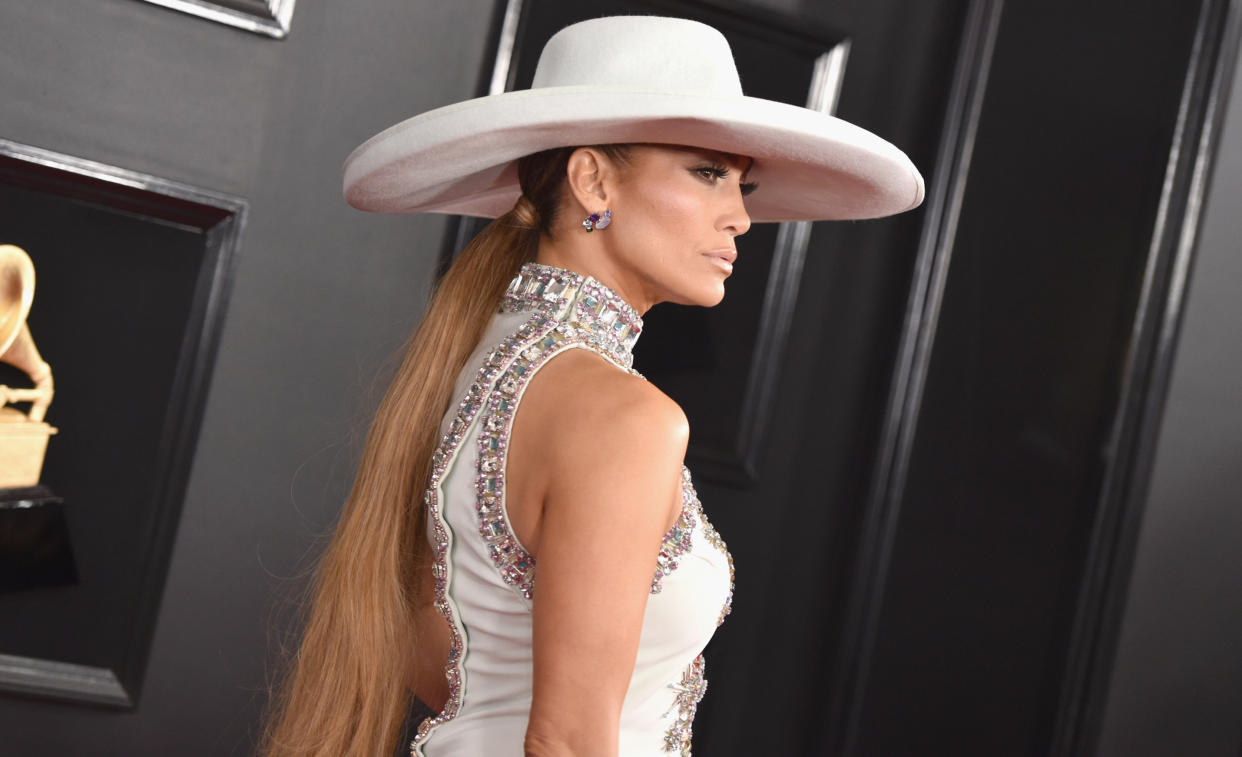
(580, 313)
(711, 534)
(516, 565)
(467, 408)
(677, 541)
(607, 320)
(690, 690)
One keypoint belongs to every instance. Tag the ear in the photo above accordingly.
(589, 175)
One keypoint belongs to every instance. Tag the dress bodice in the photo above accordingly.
(484, 577)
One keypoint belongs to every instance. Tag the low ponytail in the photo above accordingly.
(345, 692)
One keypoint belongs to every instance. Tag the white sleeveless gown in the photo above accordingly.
(485, 579)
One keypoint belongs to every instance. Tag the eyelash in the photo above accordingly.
(720, 172)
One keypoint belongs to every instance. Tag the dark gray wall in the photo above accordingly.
(1177, 682)
(322, 295)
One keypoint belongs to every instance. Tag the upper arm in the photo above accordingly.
(612, 478)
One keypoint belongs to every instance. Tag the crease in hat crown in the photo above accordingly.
(642, 53)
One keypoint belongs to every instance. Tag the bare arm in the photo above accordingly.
(610, 492)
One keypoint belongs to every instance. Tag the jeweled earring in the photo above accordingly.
(596, 221)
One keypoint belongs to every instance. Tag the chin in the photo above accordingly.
(704, 294)
(709, 297)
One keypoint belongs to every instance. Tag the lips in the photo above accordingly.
(722, 258)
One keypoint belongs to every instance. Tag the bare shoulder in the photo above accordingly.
(593, 447)
(588, 431)
(610, 408)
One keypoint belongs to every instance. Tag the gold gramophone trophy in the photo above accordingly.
(34, 535)
(23, 435)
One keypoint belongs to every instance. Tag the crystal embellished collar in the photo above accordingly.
(578, 300)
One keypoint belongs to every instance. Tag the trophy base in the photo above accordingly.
(34, 540)
(23, 443)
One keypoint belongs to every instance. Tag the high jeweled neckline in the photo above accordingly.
(578, 300)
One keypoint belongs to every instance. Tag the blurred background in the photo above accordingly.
(978, 465)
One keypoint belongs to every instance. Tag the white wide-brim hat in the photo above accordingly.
(631, 79)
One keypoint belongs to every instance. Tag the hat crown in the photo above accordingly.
(642, 53)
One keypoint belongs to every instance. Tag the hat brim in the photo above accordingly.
(461, 158)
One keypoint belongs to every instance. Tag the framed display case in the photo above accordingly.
(134, 273)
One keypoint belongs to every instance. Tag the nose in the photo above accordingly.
(735, 221)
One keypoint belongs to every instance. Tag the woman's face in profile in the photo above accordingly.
(675, 217)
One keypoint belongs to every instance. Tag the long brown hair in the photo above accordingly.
(344, 693)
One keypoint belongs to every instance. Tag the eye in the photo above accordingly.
(712, 173)
(717, 172)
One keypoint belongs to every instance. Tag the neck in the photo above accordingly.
(577, 253)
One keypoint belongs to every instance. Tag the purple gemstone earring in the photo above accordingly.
(596, 221)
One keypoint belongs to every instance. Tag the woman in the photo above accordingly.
(618, 181)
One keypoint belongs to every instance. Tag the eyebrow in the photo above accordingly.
(728, 157)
